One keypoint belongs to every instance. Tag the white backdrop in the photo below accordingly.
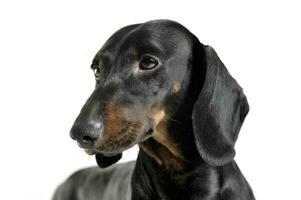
(46, 48)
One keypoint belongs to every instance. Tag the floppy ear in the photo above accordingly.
(106, 161)
(219, 110)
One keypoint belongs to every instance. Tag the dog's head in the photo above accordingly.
(144, 73)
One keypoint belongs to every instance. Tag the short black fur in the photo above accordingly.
(202, 124)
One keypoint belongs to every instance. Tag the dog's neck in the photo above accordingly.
(152, 181)
(168, 164)
(166, 155)
(173, 145)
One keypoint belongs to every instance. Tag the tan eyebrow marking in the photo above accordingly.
(132, 51)
(176, 87)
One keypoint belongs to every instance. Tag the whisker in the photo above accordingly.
(173, 120)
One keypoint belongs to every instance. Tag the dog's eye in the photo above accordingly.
(148, 63)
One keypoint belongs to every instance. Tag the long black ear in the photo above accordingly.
(219, 111)
(106, 161)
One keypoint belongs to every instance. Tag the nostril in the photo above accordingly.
(85, 135)
(87, 138)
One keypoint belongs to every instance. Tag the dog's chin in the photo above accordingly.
(92, 152)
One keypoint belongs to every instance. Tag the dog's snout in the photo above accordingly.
(86, 135)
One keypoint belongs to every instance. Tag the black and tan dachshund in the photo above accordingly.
(159, 87)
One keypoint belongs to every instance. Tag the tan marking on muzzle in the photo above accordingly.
(119, 132)
(113, 122)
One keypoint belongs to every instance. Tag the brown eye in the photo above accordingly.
(148, 63)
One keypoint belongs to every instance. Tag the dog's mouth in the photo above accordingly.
(119, 142)
(93, 152)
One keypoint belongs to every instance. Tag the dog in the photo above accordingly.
(159, 87)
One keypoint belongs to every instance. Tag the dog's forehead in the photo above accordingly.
(161, 36)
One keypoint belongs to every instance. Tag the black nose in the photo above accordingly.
(86, 135)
